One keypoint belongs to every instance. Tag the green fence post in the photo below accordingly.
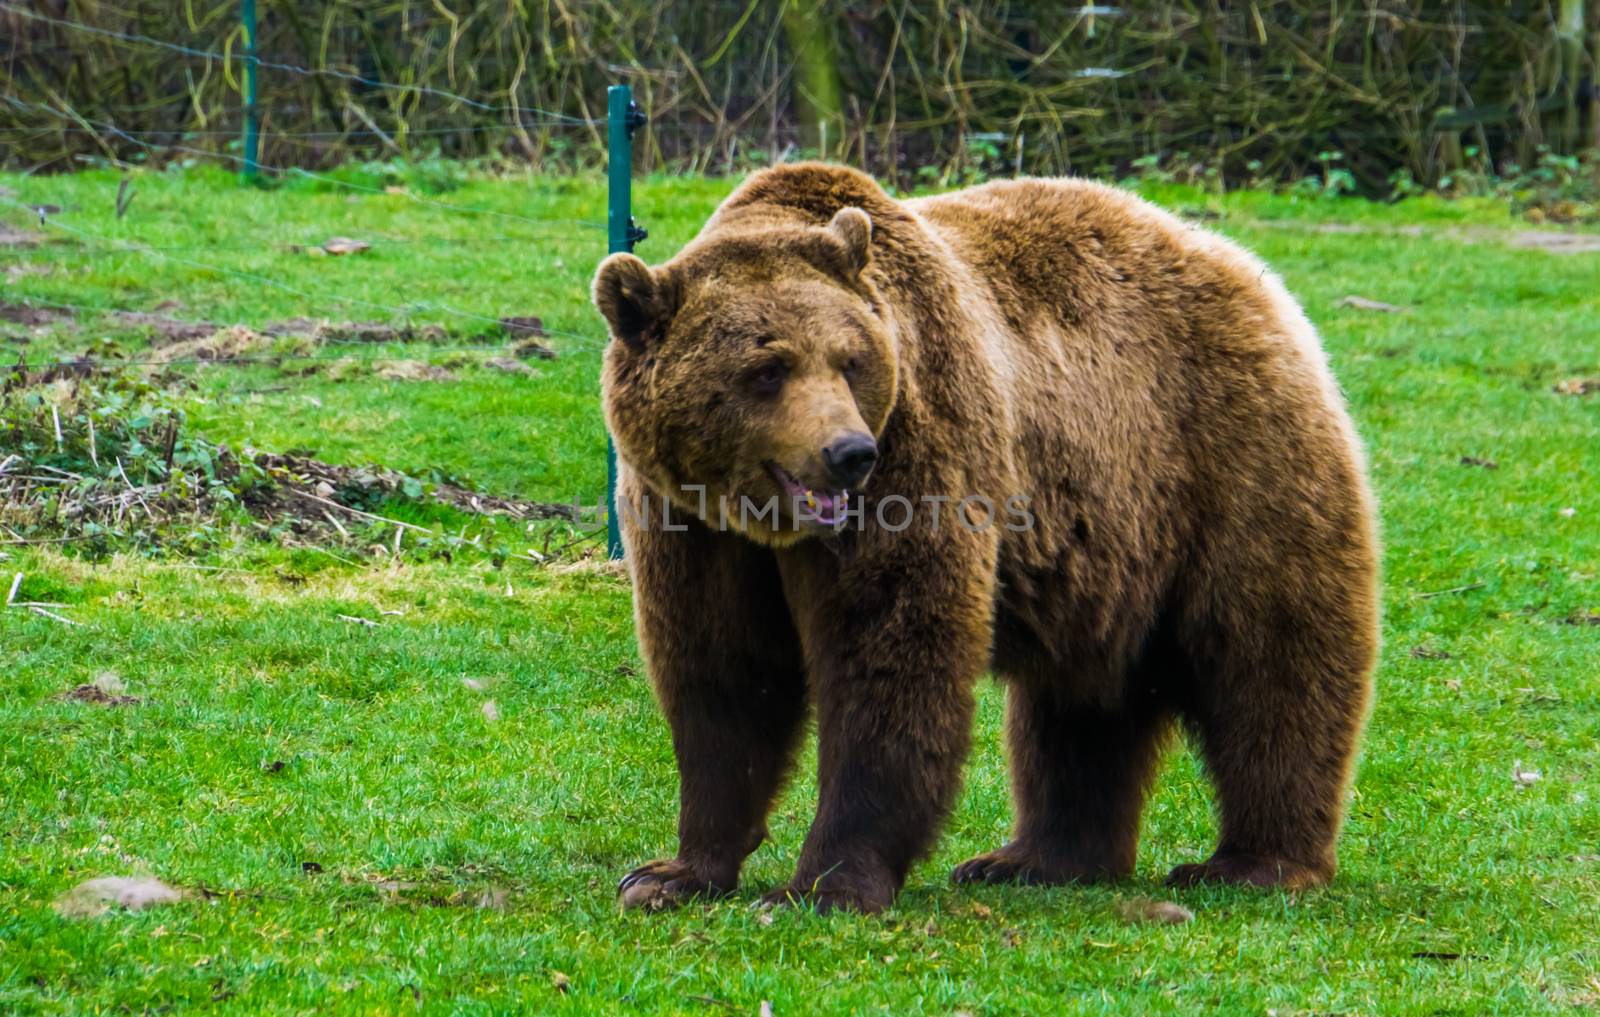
(252, 124)
(622, 119)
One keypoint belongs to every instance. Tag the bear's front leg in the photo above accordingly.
(895, 638)
(727, 670)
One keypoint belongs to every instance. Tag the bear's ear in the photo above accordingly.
(853, 230)
(633, 299)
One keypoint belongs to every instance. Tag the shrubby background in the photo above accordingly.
(1374, 96)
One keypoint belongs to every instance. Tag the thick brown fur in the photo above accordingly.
(1202, 547)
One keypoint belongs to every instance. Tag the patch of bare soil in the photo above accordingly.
(165, 329)
(88, 693)
(11, 236)
(414, 370)
(93, 898)
(510, 365)
(1557, 243)
(24, 314)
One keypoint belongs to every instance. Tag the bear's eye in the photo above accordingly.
(851, 367)
(768, 378)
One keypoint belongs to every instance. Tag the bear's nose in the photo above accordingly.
(850, 458)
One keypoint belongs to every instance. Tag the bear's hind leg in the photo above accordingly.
(1079, 776)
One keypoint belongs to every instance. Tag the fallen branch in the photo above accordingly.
(357, 512)
(52, 615)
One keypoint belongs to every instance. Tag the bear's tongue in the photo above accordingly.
(819, 506)
(825, 507)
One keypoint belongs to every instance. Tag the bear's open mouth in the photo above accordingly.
(809, 504)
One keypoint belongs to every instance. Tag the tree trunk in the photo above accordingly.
(1569, 38)
(811, 28)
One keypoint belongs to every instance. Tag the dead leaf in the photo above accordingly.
(1366, 304)
(765, 1009)
(1523, 777)
(559, 981)
(345, 245)
(1144, 911)
(1577, 386)
(1010, 938)
(1488, 464)
(491, 712)
(982, 911)
(1583, 618)
(95, 897)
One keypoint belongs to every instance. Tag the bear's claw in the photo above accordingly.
(1015, 864)
(662, 884)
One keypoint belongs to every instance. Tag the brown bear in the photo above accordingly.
(871, 449)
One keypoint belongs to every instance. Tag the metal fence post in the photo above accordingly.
(622, 119)
(252, 122)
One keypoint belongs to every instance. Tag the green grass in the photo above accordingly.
(391, 771)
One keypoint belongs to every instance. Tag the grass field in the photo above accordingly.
(357, 833)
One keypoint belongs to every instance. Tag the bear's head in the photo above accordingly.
(749, 378)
